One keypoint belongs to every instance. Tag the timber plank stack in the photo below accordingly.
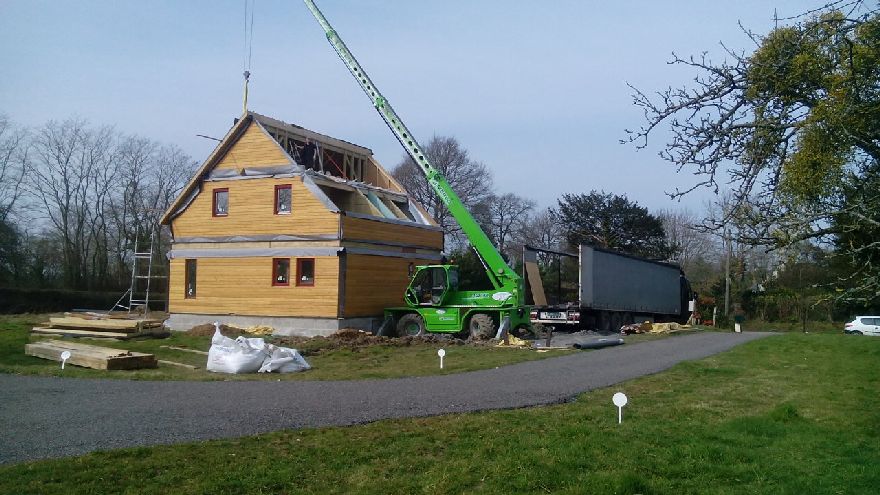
(91, 356)
(100, 326)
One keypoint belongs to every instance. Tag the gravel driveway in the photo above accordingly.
(57, 417)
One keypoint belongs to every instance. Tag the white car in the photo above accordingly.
(867, 325)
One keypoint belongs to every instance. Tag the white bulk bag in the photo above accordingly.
(284, 360)
(235, 356)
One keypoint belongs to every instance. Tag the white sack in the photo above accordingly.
(284, 360)
(243, 355)
(235, 356)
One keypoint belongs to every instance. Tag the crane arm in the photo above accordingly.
(500, 274)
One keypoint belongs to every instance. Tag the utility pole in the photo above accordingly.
(726, 272)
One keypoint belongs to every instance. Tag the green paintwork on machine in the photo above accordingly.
(433, 292)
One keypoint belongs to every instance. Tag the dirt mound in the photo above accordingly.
(349, 338)
(352, 339)
(207, 330)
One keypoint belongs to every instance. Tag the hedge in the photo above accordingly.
(15, 300)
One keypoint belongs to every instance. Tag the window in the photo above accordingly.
(221, 202)
(283, 199)
(281, 271)
(189, 283)
(305, 271)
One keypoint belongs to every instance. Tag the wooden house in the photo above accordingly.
(308, 240)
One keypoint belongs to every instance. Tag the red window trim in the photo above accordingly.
(279, 187)
(275, 282)
(299, 282)
(186, 279)
(214, 202)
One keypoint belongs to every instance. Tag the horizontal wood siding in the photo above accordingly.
(243, 286)
(360, 229)
(373, 283)
(252, 211)
(253, 149)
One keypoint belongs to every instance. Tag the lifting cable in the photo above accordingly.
(247, 54)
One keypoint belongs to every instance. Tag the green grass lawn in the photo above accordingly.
(790, 414)
(381, 361)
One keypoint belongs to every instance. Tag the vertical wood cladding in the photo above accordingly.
(373, 283)
(252, 211)
(243, 286)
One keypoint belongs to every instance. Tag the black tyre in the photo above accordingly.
(481, 327)
(616, 322)
(538, 331)
(603, 322)
(411, 325)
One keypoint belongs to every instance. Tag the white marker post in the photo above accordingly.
(619, 400)
(441, 353)
(64, 357)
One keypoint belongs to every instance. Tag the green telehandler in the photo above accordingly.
(434, 302)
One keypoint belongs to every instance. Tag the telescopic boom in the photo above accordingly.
(500, 274)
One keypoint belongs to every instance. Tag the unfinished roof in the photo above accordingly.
(343, 175)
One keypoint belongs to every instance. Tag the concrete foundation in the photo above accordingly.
(283, 325)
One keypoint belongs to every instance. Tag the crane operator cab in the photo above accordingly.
(430, 285)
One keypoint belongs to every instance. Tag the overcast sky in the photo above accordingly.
(535, 90)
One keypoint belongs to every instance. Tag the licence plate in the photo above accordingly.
(552, 315)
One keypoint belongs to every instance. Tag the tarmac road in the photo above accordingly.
(45, 417)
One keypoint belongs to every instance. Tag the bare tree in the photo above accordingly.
(470, 179)
(686, 240)
(151, 176)
(72, 173)
(14, 149)
(503, 216)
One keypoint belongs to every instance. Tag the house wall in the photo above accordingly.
(243, 286)
(362, 229)
(373, 283)
(253, 149)
(252, 211)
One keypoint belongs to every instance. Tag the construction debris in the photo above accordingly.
(648, 327)
(98, 325)
(513, 341)
(260, 330)
(91, 356)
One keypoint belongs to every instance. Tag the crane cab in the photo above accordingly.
(431, 284)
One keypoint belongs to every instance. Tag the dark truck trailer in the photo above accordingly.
(614, 289)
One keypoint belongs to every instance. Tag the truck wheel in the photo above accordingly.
(603, 322)
(538, 331)
(411, 325)
(616, 322)
(481, 327)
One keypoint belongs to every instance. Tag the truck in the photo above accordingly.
(614, 289)
(433, 300)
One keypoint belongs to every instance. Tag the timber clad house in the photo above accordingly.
(261, 239)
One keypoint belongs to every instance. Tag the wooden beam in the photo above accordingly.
(179, 365)
(91, 356)
(128, 326)
(176, 348)
(79, 333)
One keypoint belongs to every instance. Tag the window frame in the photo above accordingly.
(282, 187)
(187, 279)
(214, 193)
(299, 265)
(275, 282)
